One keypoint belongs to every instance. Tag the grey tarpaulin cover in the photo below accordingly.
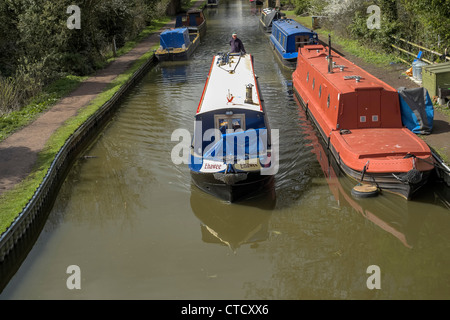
(416, 109)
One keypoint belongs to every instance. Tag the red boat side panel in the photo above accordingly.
(384, 148)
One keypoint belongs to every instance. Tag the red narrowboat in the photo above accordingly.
(359, 118)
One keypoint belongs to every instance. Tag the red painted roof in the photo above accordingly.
(317, 56)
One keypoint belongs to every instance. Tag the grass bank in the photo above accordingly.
(13, 201)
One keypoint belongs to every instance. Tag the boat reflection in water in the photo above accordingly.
(396, 216)
(232, 224)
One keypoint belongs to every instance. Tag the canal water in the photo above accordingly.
(135, 227)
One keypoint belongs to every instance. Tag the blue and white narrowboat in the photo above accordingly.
(231, 152)
(177, 44)
(287, 36)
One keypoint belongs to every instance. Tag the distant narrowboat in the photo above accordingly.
(177, 44)
(287, 36)
(212, 3)
(194, 20)
(268, 15)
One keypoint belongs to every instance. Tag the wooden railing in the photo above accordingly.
(447, 58)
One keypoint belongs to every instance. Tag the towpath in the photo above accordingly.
(18, 152)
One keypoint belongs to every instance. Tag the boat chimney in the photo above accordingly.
(330, 59)
(248, 91)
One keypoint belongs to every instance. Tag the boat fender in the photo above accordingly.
(413, 176)
(365, 190)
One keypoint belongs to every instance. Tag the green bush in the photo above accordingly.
(9, 97)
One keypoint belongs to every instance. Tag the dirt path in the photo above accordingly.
(18, 152)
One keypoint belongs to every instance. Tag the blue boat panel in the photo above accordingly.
(175, 38)
(253, 120)
(238, 144)
(288, 35)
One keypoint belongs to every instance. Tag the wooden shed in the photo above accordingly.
(436, 76)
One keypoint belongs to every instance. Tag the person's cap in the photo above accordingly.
(234, 34)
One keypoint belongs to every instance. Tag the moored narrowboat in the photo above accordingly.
(177, 44)
(268, 15)
(231, 152)
(212, 3)
(287, 36)
(194, 20)
(359, 118)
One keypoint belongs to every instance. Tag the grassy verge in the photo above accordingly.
(13, 201)
(47, 98)
(156, 25)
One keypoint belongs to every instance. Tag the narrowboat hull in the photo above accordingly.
(287, 63)
(254, 185)
(405, 183)
(201, 29)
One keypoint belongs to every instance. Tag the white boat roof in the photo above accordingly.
(228, 82)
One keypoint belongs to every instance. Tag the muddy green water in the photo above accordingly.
(137, 229)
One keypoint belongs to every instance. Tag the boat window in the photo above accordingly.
(225, 122)
(328, 101)
(307, 77)
(284, 40)
(236, 124)
(223, 125)
(320, 90)
(300, 41)
(314, 83)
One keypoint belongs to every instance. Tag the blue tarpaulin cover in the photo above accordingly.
(174, 38)
(416, 109)
(242, 144)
